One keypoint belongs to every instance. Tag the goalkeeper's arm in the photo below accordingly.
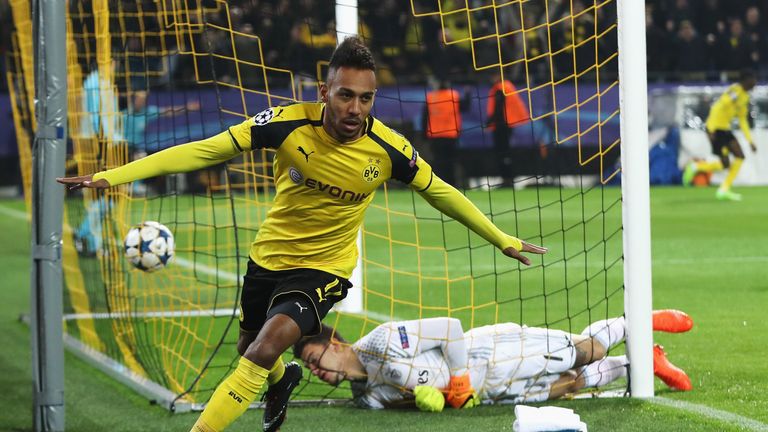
(178, 159)
(447, 335)
(452, 203)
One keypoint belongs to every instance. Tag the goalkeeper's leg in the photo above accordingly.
(597, 374)
(597, 339)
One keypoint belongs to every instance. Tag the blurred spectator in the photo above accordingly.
(659, 51)
(710, 21)
(249, 70)
(691, 54)
(679, 12)
(139, 114)
(505, 111)
(757, 33)
(441, 41)
(6, 25)
(100, 104)
(445, 60)
(442, 126)
(734, 52)
(536, 49)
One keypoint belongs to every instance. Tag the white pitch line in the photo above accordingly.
(703, 410)
(18, 214)
(211, 313)
(183, 262)
(656, 261)
(232, 277)
(205, 269)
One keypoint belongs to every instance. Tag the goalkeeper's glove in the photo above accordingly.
(429, 398)
(460, 393)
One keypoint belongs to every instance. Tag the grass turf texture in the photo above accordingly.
(709, 259)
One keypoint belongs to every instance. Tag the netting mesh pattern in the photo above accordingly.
(144, 76)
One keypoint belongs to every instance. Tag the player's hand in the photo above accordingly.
(429, 399)
(74, 183)
(527, 247)
(460, 393)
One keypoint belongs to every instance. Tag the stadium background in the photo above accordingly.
(693, 44)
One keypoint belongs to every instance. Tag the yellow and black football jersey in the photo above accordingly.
(323, 185)
(733, 104)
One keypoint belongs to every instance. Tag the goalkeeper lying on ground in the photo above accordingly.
(432, 361)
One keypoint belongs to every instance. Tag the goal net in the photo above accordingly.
(144, 76)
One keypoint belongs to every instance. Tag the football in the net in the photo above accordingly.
(149, 246)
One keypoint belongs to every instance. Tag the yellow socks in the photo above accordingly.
(232, 397)
(732, 173)
(277, 371)
(709, 166)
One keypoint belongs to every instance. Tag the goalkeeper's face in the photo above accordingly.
(348, 95)
(326, 361)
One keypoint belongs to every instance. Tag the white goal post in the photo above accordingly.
(635, 191)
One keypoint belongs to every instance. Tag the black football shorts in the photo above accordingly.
(306, 295)
(720, 140)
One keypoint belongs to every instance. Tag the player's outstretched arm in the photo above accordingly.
(178, 159)
(452, 203)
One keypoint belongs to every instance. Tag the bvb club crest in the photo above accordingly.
(372, 171)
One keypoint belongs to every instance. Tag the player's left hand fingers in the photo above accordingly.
(532, 248)
(527, 247)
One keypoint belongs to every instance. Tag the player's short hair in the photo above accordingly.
(326, 335)
(353, 53)
(747, 74)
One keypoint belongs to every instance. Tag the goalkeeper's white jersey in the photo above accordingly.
(506, 362)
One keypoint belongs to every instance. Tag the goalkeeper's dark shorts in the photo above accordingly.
(305, 295)
(721, 140)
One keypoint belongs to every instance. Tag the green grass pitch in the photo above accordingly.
(710, 259)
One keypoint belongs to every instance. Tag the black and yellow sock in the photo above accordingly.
(277, 371)
(732, 173)
(232, 397)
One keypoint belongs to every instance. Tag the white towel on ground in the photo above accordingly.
(546, 419)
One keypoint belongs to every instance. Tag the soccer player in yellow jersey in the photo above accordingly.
(330, 157)
(733, 104)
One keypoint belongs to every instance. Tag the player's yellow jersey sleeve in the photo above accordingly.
(407, 166)
(733, 104)
(182, 158)
(267, 129)
(410, 168)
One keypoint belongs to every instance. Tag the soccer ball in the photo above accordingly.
(149, 246)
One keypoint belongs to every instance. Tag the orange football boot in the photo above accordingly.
(672, 375)
(671, 321)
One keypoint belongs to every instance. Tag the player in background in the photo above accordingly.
(733, 104)
(330, 157)
(403, 363)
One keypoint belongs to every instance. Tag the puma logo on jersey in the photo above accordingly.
(304, 152)
(301, 308)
